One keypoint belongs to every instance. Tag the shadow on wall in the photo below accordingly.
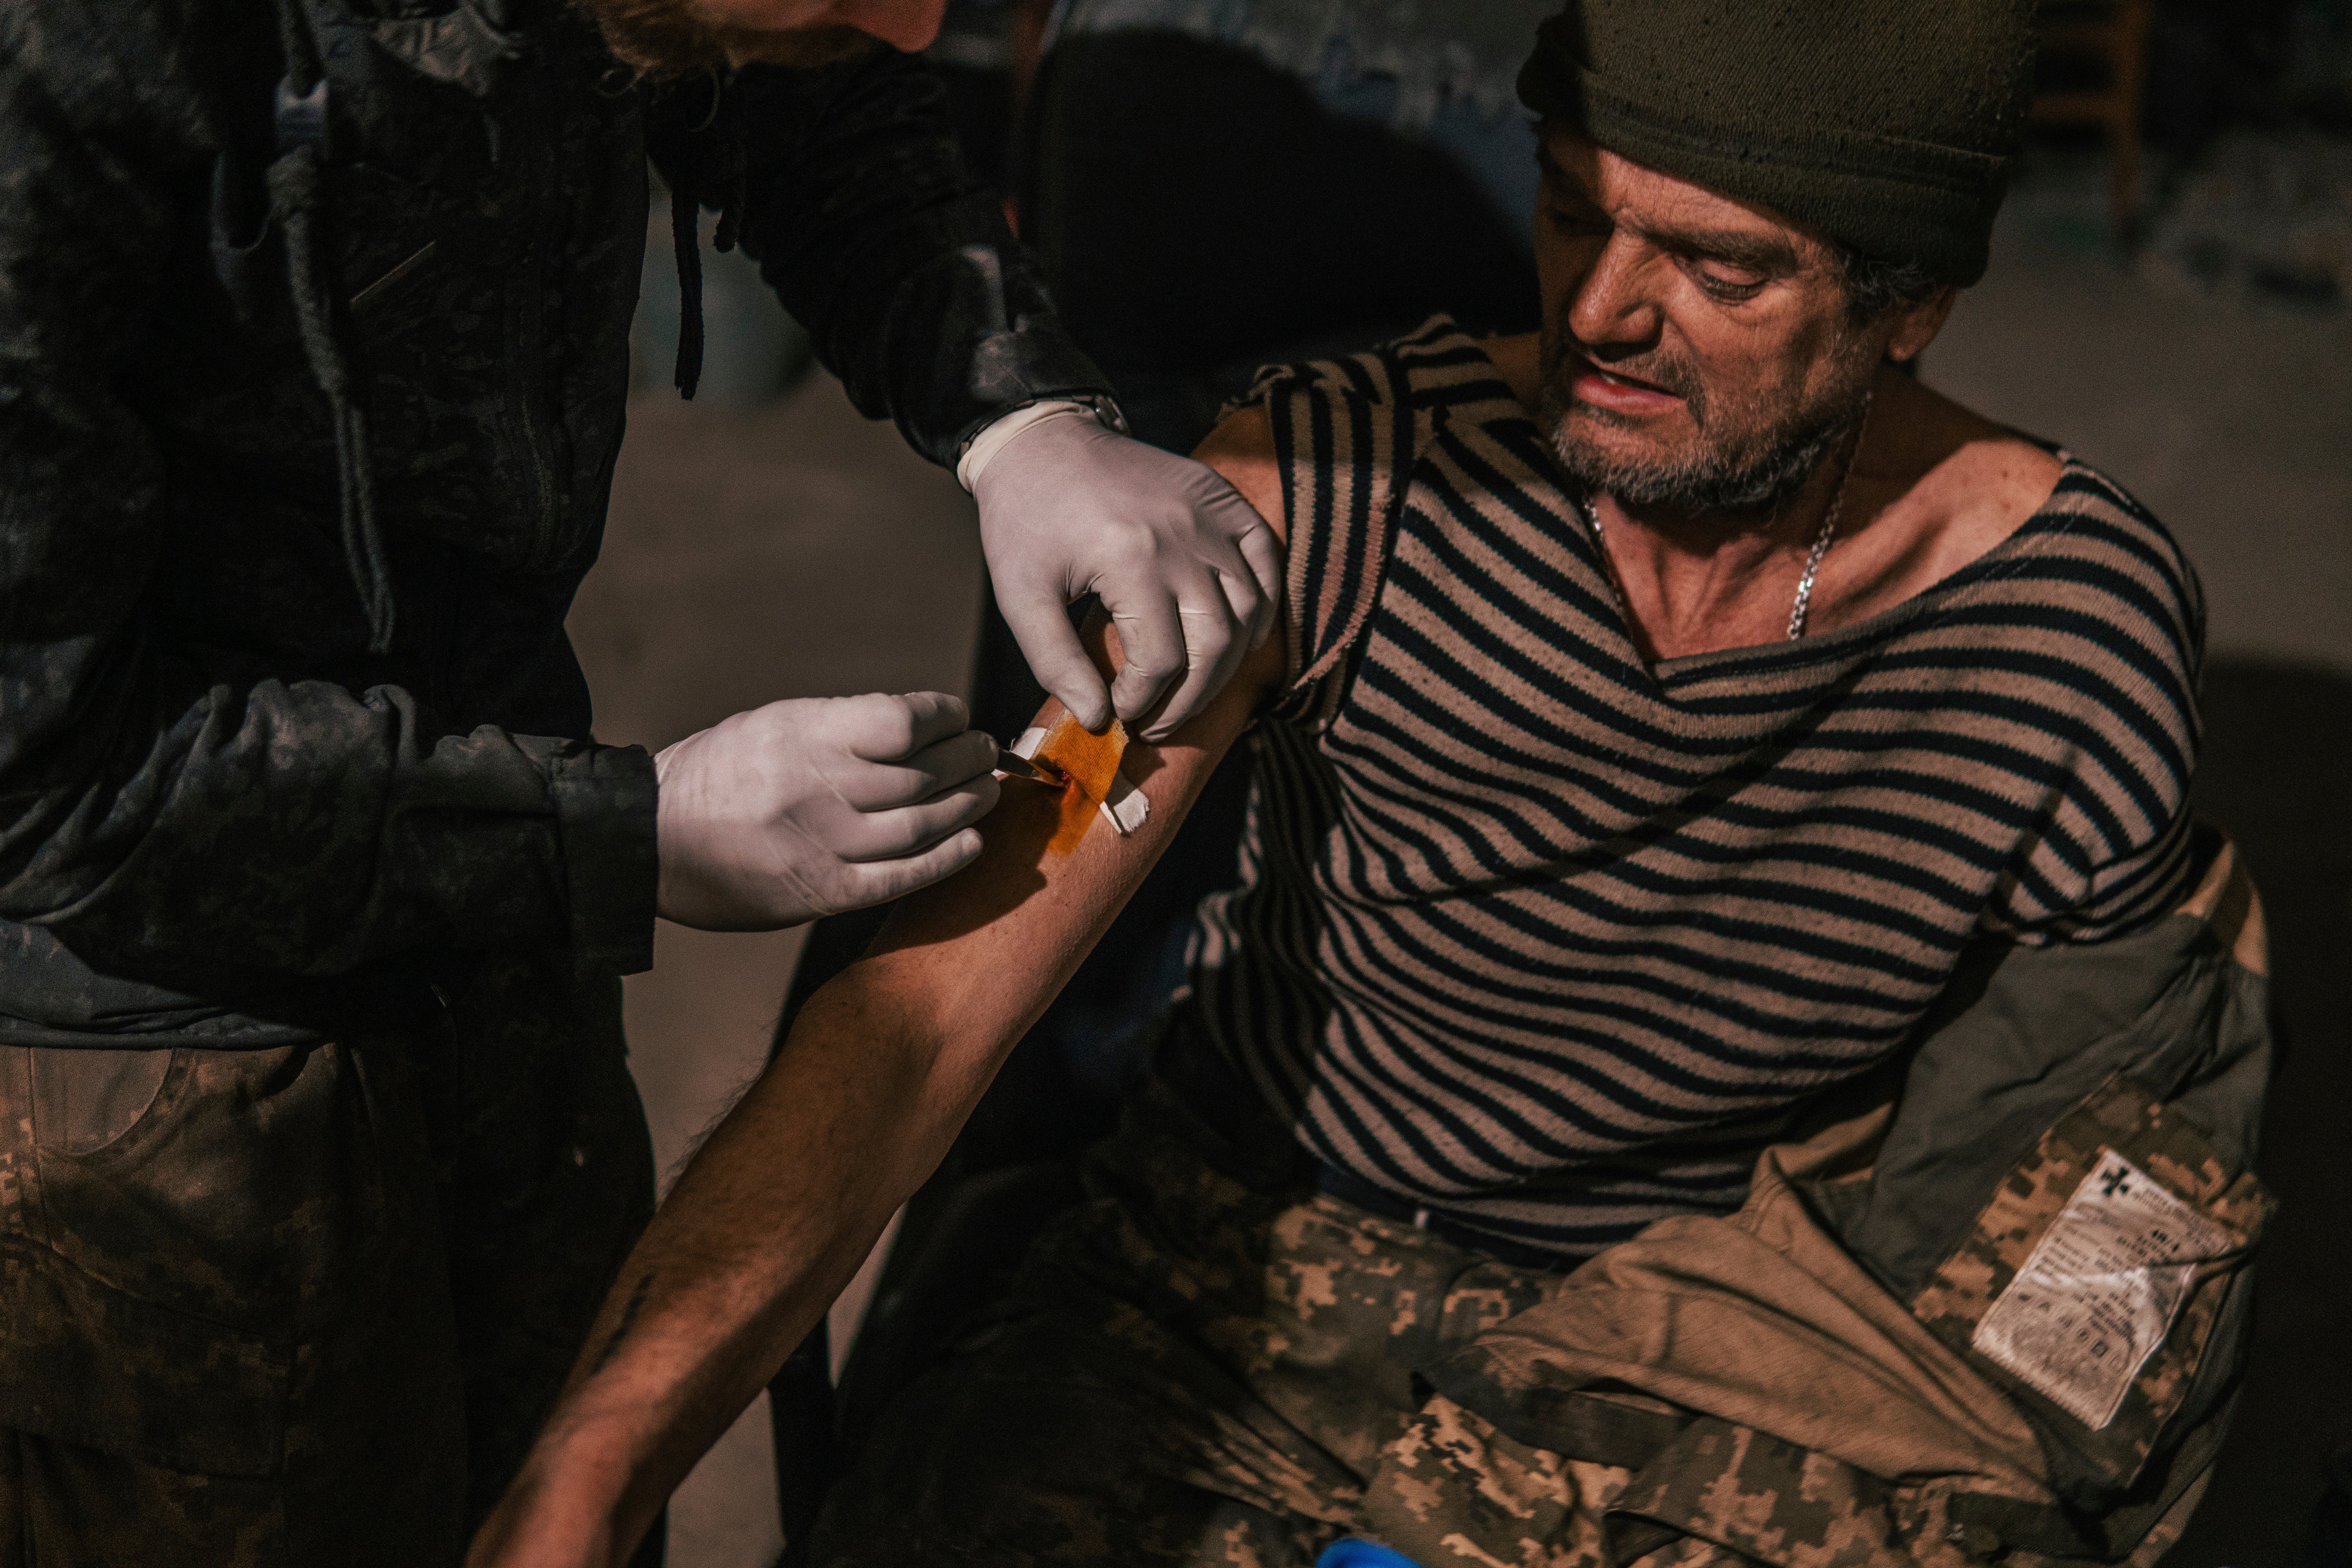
(1200, 213)
(2277, 773)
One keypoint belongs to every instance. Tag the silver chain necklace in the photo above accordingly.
(1802, 607)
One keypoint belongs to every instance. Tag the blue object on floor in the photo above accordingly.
(1354, 1554)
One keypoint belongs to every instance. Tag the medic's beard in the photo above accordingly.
(1743, 461)
(664, 39)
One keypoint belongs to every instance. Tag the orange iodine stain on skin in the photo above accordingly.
(1076, 814)
(1090, 761)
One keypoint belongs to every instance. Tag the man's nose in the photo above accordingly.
(1611, 303)
(907, 25)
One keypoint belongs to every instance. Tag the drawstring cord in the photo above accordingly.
(293, 181)
(685, 237)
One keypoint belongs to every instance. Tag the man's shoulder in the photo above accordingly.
(2009, 517)
(2089, 609)
(1437, 366)
(2014, 478)
(2089, 493)
(1368, 412)
(1242, 448)
(2112, 542)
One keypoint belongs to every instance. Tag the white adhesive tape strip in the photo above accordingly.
(1127, 808)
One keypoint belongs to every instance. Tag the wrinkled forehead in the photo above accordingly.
(1677, 214)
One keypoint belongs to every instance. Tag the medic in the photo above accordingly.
(315, 888)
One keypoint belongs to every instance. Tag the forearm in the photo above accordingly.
(139, 836)
(753, 1247)
(784, 1200)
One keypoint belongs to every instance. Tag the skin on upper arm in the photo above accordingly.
(1242, 448)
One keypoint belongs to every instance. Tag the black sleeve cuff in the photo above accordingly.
(1010, 371)
(605, 799)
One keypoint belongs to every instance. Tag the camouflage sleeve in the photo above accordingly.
(856, 202)
(169, 805)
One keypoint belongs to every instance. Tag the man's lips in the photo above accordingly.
(1588, 383)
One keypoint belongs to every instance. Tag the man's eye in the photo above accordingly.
(1726, 281)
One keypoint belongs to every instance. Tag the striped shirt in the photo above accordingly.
(1552, 942)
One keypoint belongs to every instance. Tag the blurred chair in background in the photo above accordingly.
(2097, 50)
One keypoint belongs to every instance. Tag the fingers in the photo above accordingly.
(793, 810)
(1226, 592)
(883, 728)
(1185, 565)
(1041, 624)
(1151, 634)
(1215, 642)
(881, 880)
(1262, 552)
(880, 786)
(910, 829)
(1242, 550)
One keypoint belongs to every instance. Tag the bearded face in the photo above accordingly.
(1699, 353)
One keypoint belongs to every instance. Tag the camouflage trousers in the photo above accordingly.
(1207, 1363)
(270, 1309)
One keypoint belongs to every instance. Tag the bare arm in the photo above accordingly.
(882, 1067)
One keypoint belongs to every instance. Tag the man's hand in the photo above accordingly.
(1190, 572)
(813, 807)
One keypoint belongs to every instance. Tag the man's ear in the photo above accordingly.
(1917, 327)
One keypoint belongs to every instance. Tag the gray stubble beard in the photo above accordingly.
(1754, 476)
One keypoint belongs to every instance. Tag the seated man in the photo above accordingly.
(1690, 731)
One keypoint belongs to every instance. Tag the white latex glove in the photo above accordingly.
(816, 806)
(1190, 572)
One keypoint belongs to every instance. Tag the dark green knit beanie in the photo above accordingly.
(1889, 125)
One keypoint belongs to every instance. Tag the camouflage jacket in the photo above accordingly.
(1995, 1305)
(232, 807)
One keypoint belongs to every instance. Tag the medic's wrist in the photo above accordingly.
(998, 433)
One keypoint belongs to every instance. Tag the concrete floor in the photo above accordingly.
(797, 550)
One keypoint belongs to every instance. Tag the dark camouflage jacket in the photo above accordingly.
(1992, 1306)
(260, 766)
